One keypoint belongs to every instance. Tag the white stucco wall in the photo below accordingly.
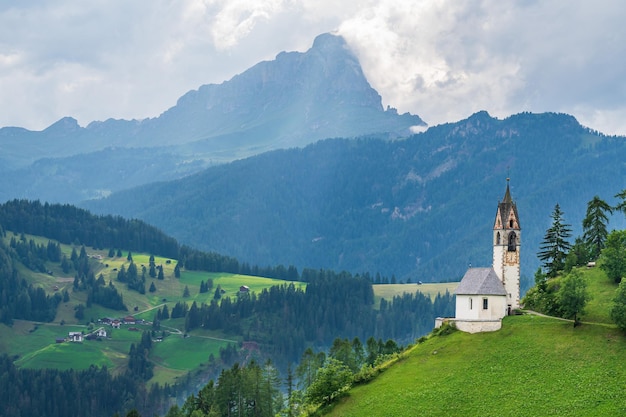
(470, 307)
(511, 284)
(470, 326)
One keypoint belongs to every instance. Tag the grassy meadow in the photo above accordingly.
(34, 344)
(533, 366)
(388, 291)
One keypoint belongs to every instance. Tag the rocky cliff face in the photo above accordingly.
(291, 101)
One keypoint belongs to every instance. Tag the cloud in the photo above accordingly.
(440, 59)
(445, 60)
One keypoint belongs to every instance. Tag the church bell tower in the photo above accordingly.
(506, 248)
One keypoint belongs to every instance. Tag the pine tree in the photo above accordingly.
(165, 313)
(595, 225)
(621, 206)
(555, 246)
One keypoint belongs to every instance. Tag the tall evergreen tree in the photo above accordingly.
(621, 206)
(152, 266)
(555, 244)
(595, 225)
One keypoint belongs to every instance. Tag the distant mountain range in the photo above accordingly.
(294, 100)
(246, 169)
(421, 208)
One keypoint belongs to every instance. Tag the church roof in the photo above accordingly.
(505, 206)
(480, 281)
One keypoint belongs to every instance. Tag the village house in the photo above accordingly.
(75, 337)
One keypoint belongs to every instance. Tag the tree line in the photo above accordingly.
(285, 320)
(257, 390)
(70, 225)
(560, 289)
(19, 299)
(71, 393)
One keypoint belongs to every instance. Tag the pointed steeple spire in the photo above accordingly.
(505, 207)
(507, 195)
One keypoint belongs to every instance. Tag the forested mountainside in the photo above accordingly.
(421, 208)
(293, 100)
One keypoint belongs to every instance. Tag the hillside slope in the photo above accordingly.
(533, 366)
(421, 208)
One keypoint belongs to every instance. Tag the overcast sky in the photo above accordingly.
(442, 60)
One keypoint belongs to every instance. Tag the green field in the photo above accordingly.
(67, 356)
(602, 290)
(534, 365)
(388, 291)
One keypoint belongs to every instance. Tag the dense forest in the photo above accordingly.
(285, 320)
(403, 207)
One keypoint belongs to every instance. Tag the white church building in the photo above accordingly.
(485, 295)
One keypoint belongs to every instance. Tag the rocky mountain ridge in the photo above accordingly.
(291, 101)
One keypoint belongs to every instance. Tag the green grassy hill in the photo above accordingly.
(35, 346)
(431, 289)
(533, 366)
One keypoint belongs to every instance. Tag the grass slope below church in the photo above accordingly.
(533, 366)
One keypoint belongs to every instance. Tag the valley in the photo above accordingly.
(281, 244)
(35, 345)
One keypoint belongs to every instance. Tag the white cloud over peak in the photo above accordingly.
(440, 59)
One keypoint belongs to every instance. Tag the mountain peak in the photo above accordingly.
(328, 41)
(64, 125)
(295, 99)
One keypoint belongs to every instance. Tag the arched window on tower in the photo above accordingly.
(498, 238)
(512, 242)
(511, 223)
